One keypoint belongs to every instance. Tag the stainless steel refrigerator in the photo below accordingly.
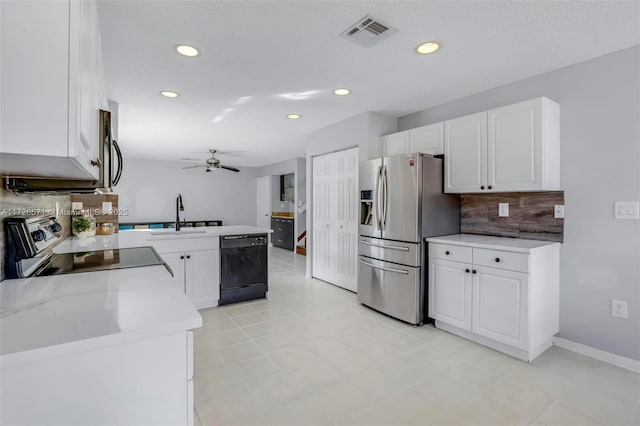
(401, 203)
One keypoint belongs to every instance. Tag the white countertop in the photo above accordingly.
(490, 242)
(144, 237)
(45, 317)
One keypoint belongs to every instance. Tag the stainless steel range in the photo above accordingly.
(30, 240)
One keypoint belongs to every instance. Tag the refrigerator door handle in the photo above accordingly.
(399, 271)
(385, 195)
(378, 198)
(384, 247)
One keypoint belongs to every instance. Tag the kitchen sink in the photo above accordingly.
(183, 231)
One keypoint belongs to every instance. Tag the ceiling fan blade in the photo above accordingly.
(191, 159)
(233, 169)
(193, 167)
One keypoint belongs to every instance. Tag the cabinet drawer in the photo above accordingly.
(450, 252)
(501, 259)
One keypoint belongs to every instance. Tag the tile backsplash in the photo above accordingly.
(530, 215)
(12, 204)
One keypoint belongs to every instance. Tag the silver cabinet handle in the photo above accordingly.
(385, 247)
(399, 271)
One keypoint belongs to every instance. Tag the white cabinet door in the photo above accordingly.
(427, 139)
(395, 143)
(202, 277)
(465, 154)
(34, 47)
(514, 147)
(519, 137)
(500, 301)
(175, 260)
(49, 96)
(450, 292)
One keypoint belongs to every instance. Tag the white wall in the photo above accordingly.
(600, 163)
(362, 131)
(149, 189)
(293, 165)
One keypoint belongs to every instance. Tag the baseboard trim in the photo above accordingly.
(617, 360)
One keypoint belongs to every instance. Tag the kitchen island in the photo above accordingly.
(107, 347)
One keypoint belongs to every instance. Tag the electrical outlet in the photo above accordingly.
(558, 211)
(76, 205)
(106, 207)
(503, 209)
(619, 309)
(627, 210)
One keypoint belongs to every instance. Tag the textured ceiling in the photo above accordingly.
(254, 53)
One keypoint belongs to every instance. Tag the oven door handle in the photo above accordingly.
(367, 243)
(399, 271)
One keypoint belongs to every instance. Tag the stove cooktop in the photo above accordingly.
(102, 260)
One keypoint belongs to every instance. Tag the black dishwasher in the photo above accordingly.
(243, 267)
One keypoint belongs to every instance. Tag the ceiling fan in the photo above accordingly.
(212, 164)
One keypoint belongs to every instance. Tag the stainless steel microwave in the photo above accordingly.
(110, 169)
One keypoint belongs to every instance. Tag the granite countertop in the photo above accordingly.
(282, 215)
(45, 317)
(491, 242)
(145, 237)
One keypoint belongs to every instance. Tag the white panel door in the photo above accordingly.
(335, 218)
(202, 277)
(263, 202)
(395, 143)
(465, 154)
(514, 147)
(322, 201)
(346, 226)
(427, 139)
(450, 292)
(500, 303)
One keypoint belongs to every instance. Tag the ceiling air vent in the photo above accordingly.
(368, 31)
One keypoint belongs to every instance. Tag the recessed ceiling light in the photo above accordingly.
(293, 116)
(186, 50)
(427, 47)
(342, 92)
(169, 94)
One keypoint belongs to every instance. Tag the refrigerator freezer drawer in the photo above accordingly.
(391, 289)
(390, 251)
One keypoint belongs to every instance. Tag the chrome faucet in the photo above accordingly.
(179, 208)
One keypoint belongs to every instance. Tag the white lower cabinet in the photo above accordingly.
(510, 306)
(142, 382)
(500, 305)
(197, 273)
(450, 293)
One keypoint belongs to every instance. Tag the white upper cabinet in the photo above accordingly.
(426, 139)
(513, 148)
(395, 143)
(465, 153)
(51, 95)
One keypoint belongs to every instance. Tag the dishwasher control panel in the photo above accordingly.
(230, 241)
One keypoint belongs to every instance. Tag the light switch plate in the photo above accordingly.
(627, 210)
(503, 209)
(558, 211)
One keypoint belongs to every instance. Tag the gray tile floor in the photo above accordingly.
(312, 355)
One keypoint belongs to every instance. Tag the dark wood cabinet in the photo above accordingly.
(283, 233)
